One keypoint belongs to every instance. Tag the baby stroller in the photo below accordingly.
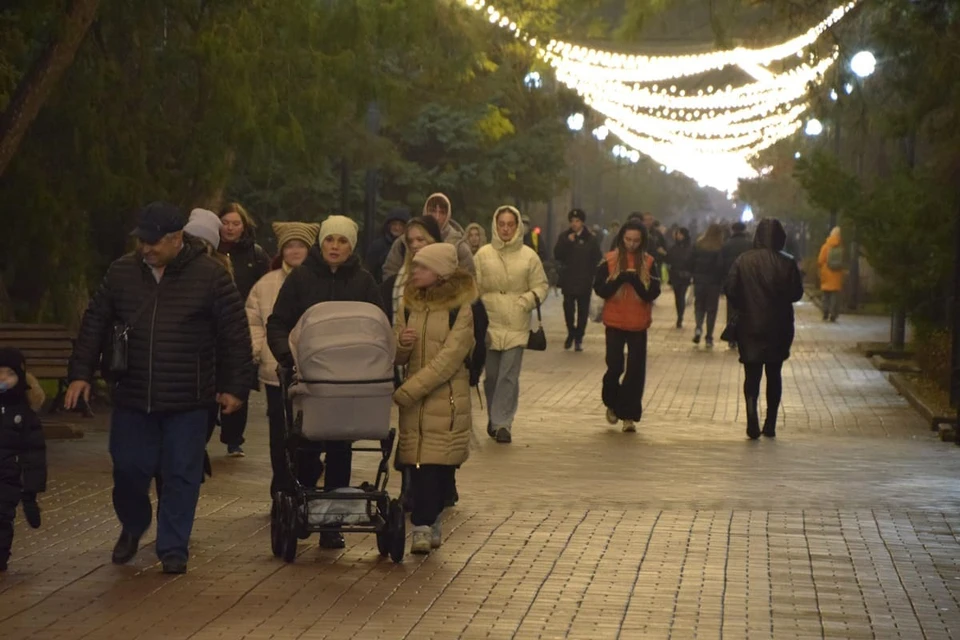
(341, 390)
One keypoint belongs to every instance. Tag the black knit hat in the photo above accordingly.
(13, 359)
(579, 214)
(428, 224)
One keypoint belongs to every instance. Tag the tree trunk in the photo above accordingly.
(41, 79)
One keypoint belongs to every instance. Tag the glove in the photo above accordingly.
(31, 510)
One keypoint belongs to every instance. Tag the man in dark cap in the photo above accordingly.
(578, 253)
(178, 316)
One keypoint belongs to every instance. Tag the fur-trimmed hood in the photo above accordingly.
(454, 292)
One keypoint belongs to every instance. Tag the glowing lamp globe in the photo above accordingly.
(863, 64)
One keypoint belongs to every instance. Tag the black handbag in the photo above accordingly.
(115, 354)
(730, 331)
(538, 339)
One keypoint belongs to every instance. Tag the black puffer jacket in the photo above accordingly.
(707, 266)
(23, 452)
(762, 286)
(578, 260)
(680, 260)
(312, 283)
(250, 263)
(191, 342)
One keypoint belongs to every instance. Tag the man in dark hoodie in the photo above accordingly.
(188, 349)
(379, 249)
(23, 450)
(578, 253)
(737, 244)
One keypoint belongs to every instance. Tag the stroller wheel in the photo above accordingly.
(397, 526)
(384, 535)
(276, 526)
(288, 514)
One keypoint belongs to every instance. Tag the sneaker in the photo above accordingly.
(579, 345)
(709, 343)
(126, 548)
(174, 564)
(422, 539)
(568, 342)
(629, 426)
(436, 535)
(612, 416)
(503, 436)
(697, 335)
(332, 540)
(235, 451)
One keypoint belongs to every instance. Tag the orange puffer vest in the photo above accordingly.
(626, 310)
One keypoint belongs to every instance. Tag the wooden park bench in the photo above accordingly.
(47, 349)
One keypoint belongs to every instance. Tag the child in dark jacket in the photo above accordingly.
(23, 450)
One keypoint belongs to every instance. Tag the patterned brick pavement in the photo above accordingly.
(845, 527)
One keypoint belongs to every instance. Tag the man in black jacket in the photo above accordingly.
(188, 349)
(578, 253)
(737, 244)
(379, 249)
(331, 272)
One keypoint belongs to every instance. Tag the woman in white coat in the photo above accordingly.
(294, 240)
(511, 280)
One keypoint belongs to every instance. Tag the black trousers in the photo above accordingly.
(430, 484)
(8, 512)
(625, 396)
(751, 385)
(680, 296)
(233, 425)
(578, 306)
(706, 305)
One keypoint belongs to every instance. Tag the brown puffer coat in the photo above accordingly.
(434, 398)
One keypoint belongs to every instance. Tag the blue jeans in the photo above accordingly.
(169, 443)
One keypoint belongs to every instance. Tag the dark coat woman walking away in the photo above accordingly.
(331, 272)
(250, 263)
(628, 282)
(680, 262)
(707, 280)
(762, 286)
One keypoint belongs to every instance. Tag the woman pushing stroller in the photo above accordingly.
(434, 337)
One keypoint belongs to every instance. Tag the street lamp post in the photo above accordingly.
(372, 179)
(600, 133)
(575, 124)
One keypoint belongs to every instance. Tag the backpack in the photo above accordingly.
(835, 259)
(476, 360)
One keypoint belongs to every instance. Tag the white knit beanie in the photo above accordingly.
(339, 226)
(441, 258)
(204, 224)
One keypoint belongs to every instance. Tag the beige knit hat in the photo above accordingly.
(441, 258)
(339, 226)
(305, 232)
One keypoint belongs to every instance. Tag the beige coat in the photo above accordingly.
(259, 307)
(434, 399)
(508, 275)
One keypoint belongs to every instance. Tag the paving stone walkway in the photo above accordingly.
(845, 527)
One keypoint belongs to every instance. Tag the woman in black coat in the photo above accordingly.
(762, 286)
(680, 261)
(331, 272)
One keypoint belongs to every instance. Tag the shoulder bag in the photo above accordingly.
(538, 339)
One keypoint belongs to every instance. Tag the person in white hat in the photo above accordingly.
(331, 272)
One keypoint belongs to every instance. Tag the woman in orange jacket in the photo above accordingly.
(628, 282)
(831, 274)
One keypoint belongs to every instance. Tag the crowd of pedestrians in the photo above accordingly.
(199, 315)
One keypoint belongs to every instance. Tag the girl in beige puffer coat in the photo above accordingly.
(511, 278)
(434, 399)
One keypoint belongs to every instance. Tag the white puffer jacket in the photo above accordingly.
(259, 307)
(508, 275)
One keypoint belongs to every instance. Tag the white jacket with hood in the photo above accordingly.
(452, 234)
(508, 276)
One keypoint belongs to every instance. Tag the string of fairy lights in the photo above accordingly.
(711, 134)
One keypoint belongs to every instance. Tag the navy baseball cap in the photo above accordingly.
(156, 220)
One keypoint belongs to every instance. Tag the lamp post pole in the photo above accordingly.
(372, 179)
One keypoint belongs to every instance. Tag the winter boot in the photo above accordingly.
(770, 424)
(753, 419)
(436, 535)
(568, 342)
(422, 537)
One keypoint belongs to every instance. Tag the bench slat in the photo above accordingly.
(35, 335)
(36, 344)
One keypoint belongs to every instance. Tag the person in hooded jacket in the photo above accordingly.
(434, 399)
(23, 449)
(762, 286)
(628, 282)
(331, 272)
(680, 262)
(294, 240)
(188, 349)
(511, 280)
(437, 207)
(393, 228)
(238, 241)
(476, 237)
(831, 278)
(421, 231)
(578, 253)
(737, 244)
